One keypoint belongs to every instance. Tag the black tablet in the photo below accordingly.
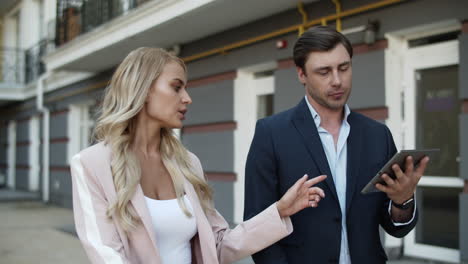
(399, 158)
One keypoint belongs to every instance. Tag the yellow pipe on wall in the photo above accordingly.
(338, 11)
(290, 29)
(300, 7)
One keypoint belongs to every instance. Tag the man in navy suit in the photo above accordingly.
(322, 136)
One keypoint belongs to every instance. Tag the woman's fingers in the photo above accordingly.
(314, 197)
(300, 183)
(315, 180)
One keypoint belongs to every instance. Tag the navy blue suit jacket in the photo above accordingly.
(285, 147)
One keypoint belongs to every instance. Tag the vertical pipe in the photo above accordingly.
(45, 155)
(11, 174)
(45, 136)
(338, 11)
(300, 7)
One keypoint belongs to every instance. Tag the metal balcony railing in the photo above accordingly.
(75, 17)
(11, 66)
(19, 67)
(34, 66)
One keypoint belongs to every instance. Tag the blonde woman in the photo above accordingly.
(140, 197)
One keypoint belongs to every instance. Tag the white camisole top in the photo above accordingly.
(173, 229)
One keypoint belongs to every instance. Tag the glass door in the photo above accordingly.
(431, 114)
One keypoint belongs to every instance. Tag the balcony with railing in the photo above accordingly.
(11, 67)
(34, 66)
(76, 17)
(19, 69)
(95, 35)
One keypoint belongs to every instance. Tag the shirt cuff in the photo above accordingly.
(402, 224)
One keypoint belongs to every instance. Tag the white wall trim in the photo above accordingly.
(245, 114)
(242, 135)
(78, 123)
(437, 253)
(393, 91)
(45, 154)
(54, 82)
(34, 154)
(73, 131)
(11, 178)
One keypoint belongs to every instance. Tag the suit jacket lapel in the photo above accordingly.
(139, 203)
(353, 159)
(305, 125)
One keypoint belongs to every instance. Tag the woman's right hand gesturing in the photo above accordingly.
(301, 195)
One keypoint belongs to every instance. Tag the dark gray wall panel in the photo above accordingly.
(22, 179)
(464, 227)
(463, 66)
(4, 133)
(288, 90)
(261, 52)
(3, 153)
(3, 144)
(58, 154)
(58, 125)
(368, 80)
(211, 103)
(80, 98)
(22, 131)
(60, 188)
(463, 146)
(214, 149)
(22, 155)
(224, 199)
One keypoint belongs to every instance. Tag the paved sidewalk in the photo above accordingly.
(32, 232)
(7, 195)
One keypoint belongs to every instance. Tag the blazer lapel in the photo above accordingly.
(353, 160)
(205, 233)
(305, 125)
(138, 202)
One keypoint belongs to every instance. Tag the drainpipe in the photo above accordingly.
(41, 85)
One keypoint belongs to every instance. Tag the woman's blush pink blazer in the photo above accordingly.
(105, 242)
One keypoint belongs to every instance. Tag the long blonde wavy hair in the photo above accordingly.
(124, 98)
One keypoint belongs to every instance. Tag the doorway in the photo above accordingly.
(430, 110)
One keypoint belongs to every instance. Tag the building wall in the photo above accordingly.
(209, 134)
(22, 154)
(410, 14)
(59, 185)
(59, 102)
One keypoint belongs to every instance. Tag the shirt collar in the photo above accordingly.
(316, 116)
